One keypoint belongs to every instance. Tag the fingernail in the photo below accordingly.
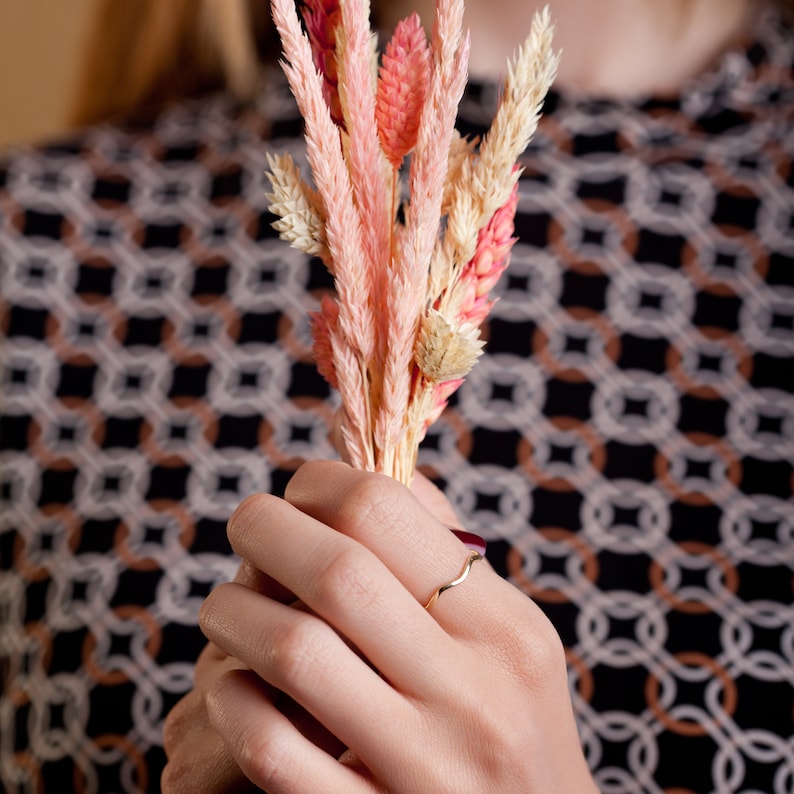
(472, 541)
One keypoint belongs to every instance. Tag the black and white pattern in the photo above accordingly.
(626, 444)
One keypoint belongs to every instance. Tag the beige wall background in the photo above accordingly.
(40, 44)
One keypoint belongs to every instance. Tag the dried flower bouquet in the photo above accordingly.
(415, 243)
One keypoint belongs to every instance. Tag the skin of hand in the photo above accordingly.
(198, 759)
(326, 673)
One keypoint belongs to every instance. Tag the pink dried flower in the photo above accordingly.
(430, 160)
(402, 89)
(354, 387)
(477, 278)
(344, 233)
(321, 18)
(490, 260)
(399, 319)
(324, 325)
(441, 394)
(365, 159)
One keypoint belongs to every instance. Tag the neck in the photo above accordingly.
(617, 48)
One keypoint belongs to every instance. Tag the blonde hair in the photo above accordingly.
(143, 54)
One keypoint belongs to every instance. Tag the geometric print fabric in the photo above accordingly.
(626, 443)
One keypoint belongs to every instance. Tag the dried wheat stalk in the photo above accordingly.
(412, 281)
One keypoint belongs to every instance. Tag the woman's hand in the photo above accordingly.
(198, 759)
(469, 696)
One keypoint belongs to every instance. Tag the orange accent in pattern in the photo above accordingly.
(657, 572)
(689, 727)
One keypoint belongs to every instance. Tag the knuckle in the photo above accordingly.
(370, 505)
(176, 776)
(545, 650)
(346, 576)
(535, 659)
(309, 470)
(294, 651)
(527, 645)
(169, 778)
(266, 756)
(188, 766)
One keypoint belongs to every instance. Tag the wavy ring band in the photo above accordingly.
(472, 558)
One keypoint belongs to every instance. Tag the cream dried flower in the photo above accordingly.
(446, 350)
(301, 222)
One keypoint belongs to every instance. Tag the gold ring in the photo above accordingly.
(473, 557)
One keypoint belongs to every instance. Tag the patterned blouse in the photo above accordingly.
(626, 445)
